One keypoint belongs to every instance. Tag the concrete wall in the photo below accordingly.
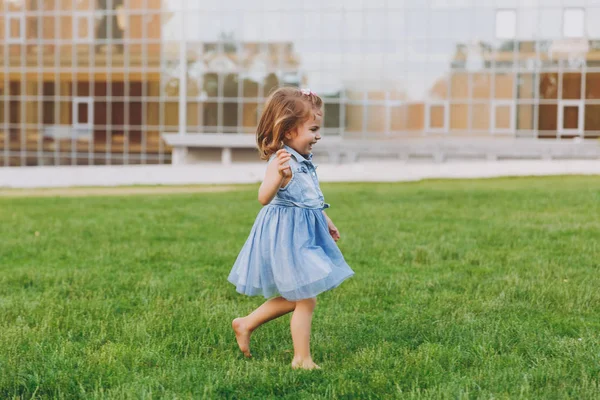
(380, 171)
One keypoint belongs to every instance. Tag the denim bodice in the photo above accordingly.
(303, 188)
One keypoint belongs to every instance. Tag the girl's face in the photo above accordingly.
(305, 136)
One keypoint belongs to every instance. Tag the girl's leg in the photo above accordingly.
(300, 327)
(269, 310)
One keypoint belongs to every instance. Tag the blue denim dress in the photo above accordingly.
(289, 251)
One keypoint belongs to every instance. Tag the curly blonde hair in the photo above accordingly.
(286, 109)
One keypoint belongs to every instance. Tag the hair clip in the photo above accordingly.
(308, 92)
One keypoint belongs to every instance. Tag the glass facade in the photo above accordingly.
(94, 82)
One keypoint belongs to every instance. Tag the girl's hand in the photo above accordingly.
(283, 163)
(333, 231)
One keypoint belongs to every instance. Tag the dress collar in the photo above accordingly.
(299, 157)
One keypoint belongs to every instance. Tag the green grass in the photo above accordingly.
(463, 289)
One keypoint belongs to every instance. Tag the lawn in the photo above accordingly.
(463, 289)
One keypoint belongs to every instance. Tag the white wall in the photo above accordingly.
(382, 171)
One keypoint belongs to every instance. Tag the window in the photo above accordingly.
(83, 117)
(506, 24)
(82, 111)
(15, 27)
(108, 25)
(593, 27)
(549, 24)
(83, 27)
(573, 23)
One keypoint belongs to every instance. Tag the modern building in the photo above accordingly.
(99, 81)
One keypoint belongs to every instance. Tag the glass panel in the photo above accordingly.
(210, 115)
(250, 115)
(270, 83)
(592, 85)
(504, 86)
(398, 118)
(481, 85)
(506, 24)
(332, 115)
(171, 114)
(439, 89)
(416, 117)
(525, 116)
(152, 112)
(547, 117)
(573, 23)
(436, 117)
(480, 117)
(592, 119)
(230, 85)
(354, 118)
(570, 117)
(592, 25)
(571, 88)
(211, 84)
(193, 117)
(376, 119)
(550, 23)
(3, 99)
(15, 28)
(82, 113)
(549, 86)
(483, 22)
(526, 86)
(527, 23)
(503, 117)
(249, 88)
(459, 85)
(230, 114)
(459, 116)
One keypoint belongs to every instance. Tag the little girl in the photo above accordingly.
(291, 251)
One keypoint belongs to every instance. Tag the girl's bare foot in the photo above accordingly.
(242, 335)
(298, 363)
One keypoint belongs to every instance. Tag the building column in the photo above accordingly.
(179, 155)
(226, 156)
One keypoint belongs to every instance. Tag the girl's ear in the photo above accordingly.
(289, 135)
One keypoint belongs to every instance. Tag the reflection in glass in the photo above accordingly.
(210, 111)
(376, 119)
(573, 23)
(549, 85)
(416, 117)
(250, 116)
(459, 116)
(592, 85)
(525, 116)
(480, 117)
(506, 24)
(437, 117)
(230, 114)
(481, 85)
(459, 85)
(526, 86)
(398, 118)
(570, 117)
(592, 120)
(332, 115)
(354, 118)
(381, 67)
(503, 85)
(571, 85)
(547, 117)
(503, 117)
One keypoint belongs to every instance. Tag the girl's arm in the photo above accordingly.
(277, 175)
(333, 230)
